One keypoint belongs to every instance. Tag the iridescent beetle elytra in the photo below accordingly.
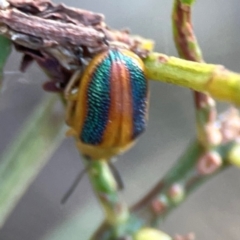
(107, 104)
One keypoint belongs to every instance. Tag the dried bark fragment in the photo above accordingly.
(54, 33)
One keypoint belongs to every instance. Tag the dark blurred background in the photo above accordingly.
(213, 212)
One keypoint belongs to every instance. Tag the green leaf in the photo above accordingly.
(5, 46)
(41, 135)
(80, 225)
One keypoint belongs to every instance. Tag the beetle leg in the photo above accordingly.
(70, 110)
(70, 94)
(71, 90)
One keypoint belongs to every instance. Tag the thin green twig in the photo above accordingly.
(188, 48)
(215, 80)
(183, 177)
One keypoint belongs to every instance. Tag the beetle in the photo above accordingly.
(108, 104)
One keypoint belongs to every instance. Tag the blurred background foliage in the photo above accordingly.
(212, 212)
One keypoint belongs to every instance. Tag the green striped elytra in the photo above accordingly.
(109, 109)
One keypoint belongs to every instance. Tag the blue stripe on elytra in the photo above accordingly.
(139, 96)
(98, 104)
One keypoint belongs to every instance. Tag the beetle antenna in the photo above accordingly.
(79, 177)
(117, 176)
(74, 185)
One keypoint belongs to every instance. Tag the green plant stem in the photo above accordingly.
(188, 2)
(188, 48)
(181, 180)
(106, 190)
(28, 154)
(185, 40)
(118, 220)
(215, 80)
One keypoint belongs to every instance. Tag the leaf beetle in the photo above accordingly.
(108, 103)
